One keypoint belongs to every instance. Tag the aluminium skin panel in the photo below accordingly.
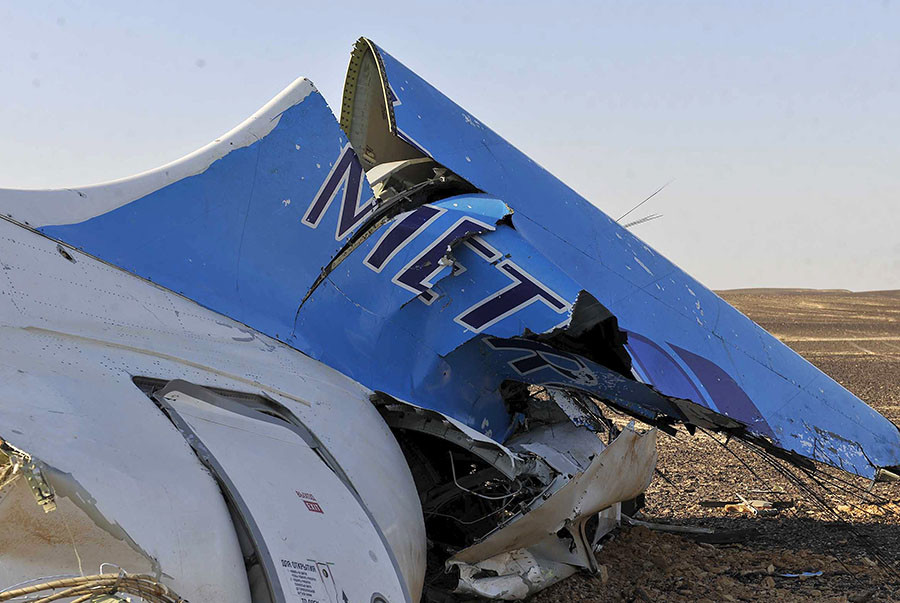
(75, 331)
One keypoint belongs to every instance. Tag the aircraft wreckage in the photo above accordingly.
(359, 361)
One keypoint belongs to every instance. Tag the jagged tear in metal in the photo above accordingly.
(256, 377)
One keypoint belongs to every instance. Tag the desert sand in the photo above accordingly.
(837, 527)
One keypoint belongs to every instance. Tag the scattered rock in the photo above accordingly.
(803, 537)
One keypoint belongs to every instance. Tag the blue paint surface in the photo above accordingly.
(431, 307)
(232, 237)
(647, 293)
(414, 338)
(655, 365)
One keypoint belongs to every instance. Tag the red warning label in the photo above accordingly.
(310, 501)
(313, 506)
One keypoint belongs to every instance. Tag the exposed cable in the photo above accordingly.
(83, 588)
(643, 220)
(656, 192)
(776, 464)
(479, 495)
(767, 484)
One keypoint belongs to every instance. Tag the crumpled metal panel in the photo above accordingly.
(620, 472)
(510, 576)
(444, 293)
(453, 331)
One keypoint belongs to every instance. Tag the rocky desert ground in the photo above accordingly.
(843, 532)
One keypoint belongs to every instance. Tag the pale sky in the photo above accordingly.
(777, 123)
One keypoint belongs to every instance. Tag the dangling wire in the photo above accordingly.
(85, 588)
(656, 192)
(821, 502)
(767, 484)
(643, 220)
(472, 492)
